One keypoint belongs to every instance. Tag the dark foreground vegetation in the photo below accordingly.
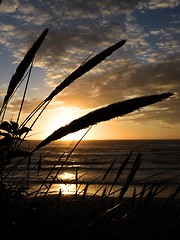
(78, 217)
(144, 215)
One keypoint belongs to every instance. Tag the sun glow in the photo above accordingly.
(66, 176)
(67, 188)
(54, 119)
(121, 128)
(59, 118)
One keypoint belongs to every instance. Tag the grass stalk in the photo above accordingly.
(142, 194)
(81, 70)
(162, 205)
(133, 198)
(103, 114)
(58, 171)
(122, 167)
(24, 94)
(22, 67)
(108, 170)
(131, 175)
(87, 66)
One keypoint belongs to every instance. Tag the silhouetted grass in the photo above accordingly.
(81, 70)
(104, 114)
(21, 69)
(108, 213)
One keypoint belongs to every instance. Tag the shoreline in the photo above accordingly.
(73, 188)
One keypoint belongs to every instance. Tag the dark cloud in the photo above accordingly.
(160, 76)
(8, 6)
(28, 106)
(166, 112)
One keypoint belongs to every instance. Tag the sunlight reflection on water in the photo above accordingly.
(97, 189)
(66, 176)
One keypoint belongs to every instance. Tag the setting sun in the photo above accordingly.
(60, 118)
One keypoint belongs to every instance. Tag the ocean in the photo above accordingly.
(87, 164)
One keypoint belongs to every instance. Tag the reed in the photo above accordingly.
(131, 175)
(103, 114)
(22, 67)
(87, 66)
(108, 170)
(81, 70)
(161, 207)
(133, 199)
(122, 167)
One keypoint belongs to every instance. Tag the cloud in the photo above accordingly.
(165, 112)
(147, 64)
(28, 106)
(160, 76)
(33, 13)
(8, 6)
(155, 4)
(72, 38)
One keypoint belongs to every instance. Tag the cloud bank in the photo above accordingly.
(147, 64)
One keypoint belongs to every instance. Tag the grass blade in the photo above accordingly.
(108, 170)
(103, 114)
(23, 66)
(122, 167)
(131, 175)
(87, 66)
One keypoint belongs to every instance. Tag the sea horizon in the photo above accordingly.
(91, 159)
(131, 139)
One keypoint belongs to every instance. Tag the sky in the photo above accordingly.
(147, 64)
